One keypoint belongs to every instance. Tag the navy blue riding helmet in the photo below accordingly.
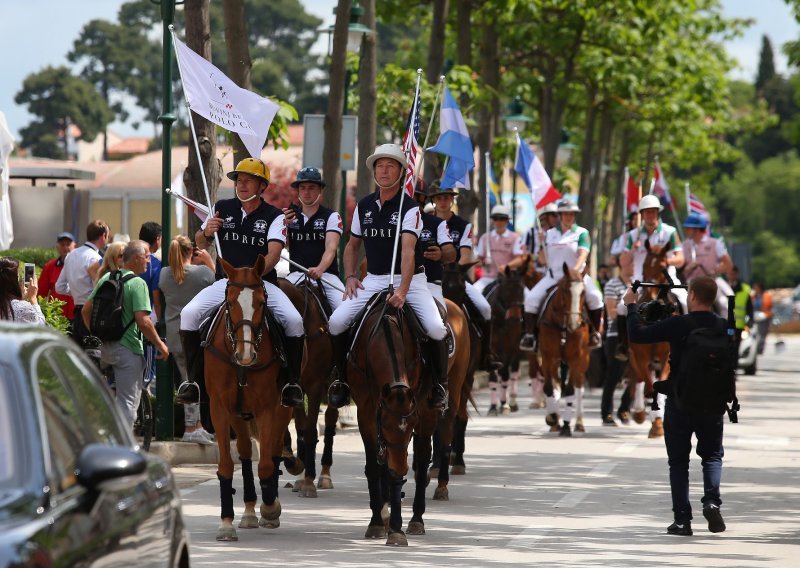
(308, 174)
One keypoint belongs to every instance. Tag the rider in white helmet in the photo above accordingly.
(567, 243)
(498, 249)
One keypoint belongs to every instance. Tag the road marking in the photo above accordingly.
(528, 538)
(602, 469)
(571, 499)
(780, 441)
(628, 448)
(185, 492)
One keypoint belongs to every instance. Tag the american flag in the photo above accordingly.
(410, 144)
(696, 206)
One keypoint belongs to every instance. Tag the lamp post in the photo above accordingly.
(515, 121)
(164, 395)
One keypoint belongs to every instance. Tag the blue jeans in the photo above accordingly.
(678, 430)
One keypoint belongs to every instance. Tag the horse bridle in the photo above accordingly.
(231, 329)
(383, 445)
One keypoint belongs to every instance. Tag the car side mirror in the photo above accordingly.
(98, 463)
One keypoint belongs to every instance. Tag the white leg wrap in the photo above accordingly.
(569, 408)
(514, 384)
(579, 402)
(537, 389)
(662, 401)
(638, 397)
(552, 405)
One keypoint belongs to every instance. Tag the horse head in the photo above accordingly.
(397, 418)
(653, 266)
(531, 276)
(454, 281)
(510, 290)
(572, 290)
(245, 301)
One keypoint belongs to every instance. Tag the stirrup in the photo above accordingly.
(595, 340)
(528, 342)
(338, 394)
(188, 393)
(439, 397)
(292, 395)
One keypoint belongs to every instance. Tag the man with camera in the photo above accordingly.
(682, 419)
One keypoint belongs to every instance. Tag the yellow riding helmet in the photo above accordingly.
(252, 166)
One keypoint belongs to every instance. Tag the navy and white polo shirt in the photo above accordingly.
(461, 233)
(434, 233)
(307, 237)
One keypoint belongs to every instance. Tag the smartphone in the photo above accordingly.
(30, 271)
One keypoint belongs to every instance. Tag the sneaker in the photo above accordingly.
(492, 410)
(714, 518)
(608, 420)
(624, 416)
(681, 530)
(196, 437)
(206, 434)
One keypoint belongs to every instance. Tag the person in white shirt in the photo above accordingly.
(76, 277)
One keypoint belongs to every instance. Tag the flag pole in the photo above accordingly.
(430, 127)
(305, 271)
(403, 193)
(625, 181)
(686, 188)
(488, 186)
(194, 138)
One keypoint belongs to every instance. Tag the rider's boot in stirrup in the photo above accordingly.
(489, 361)
(528, 341)
(339, 391)
(621, 353)
(439, 394)
(189, 390)
(595, 339)
(292, 392)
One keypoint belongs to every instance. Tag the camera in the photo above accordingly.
(30, 271)
(655, 310)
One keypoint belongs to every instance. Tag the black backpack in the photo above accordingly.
(106, 322)
(706, 379)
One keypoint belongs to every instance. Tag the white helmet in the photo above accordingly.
(567, 206)
(500, 211)
(393, 151)
(549, 208)
(650, 202)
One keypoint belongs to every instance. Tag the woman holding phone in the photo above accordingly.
(18, 300)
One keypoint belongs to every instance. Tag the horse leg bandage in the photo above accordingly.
(579, 402)
(493, 393)
(226, 492)
(552, 404)
(514, 384)
(638, 397)
(537, 388)
(249, 483)
(269, 486)
(662, 401)
(327, 451)
(569, 408)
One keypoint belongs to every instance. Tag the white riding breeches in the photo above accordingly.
(534, 299)
(436, 292)
(214, 295)
(479, 301)
(419, 297)
(328, 282)
(482, 283)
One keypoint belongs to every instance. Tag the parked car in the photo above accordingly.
(748, 347)
(75, 489)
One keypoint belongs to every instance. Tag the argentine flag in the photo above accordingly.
(454, 142)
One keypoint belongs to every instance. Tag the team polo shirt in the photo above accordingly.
(461, 233)
(706, 254)
(434, 233)
(135, 298)
(377, 225)
(563, 247)
(663, 235)
(504, 248)
(306, 237)
(243, 237)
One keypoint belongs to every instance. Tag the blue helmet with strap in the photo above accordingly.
(695, 221)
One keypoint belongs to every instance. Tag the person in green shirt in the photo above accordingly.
(126, 356)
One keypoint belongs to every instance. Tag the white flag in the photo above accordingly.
(6, 146)
(215, 97)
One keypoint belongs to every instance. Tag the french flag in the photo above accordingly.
(532, 172)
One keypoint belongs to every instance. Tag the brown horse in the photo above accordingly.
(564, 346)
(649, 362)
(506, 297)
(241, 373)
(530, 279)
(308, 300)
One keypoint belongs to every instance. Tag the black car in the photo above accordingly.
(75, 489)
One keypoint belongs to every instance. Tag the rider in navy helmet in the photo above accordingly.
(308, 174)
(695, 221)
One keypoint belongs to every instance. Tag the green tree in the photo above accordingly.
(57, 98)
(766, 65)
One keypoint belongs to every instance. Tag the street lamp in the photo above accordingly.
(516, 122)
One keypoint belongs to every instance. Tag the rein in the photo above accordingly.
(383, 445)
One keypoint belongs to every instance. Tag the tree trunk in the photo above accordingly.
(586, 216)
(600, 181)
(464, 26)
(436, 45)
(239, 63)
(333, 119)
(198, 38)
(368, 103)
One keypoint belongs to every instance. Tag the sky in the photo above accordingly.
(38, 33)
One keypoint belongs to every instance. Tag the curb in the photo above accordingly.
(180, 453)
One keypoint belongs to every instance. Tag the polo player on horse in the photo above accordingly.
(375, 221)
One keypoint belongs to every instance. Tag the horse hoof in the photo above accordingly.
(433, 473)
(269, 523)
(325, 482)
(247, 522)
(375, 532)
(657, 429)
(513, 407)
(416, 528)
(441, 494)
(579, 427)
(458, 470)
(307, 489)
(270, 515)
(639, 416)
(555, 427)
(227, 534)
(565, 431)
(536, 405)
(290, 485)
(396, 538)
(505, 411)
(293, 465)
(296, 486)
(551, 418)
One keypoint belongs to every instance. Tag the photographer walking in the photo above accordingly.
(692, 407)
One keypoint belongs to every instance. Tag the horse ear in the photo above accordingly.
(465, 267)
(261, 264)
(507, 271)
(566, 268)
(227, 267)
(647, 244)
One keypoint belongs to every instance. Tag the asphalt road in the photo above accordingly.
(529, 497)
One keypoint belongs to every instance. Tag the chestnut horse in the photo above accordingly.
(241, 373)
(564, 346)
(308, 300)
(530, 279)
(649, 362)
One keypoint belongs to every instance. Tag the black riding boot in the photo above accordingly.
(339, 391)
(489, 361)
(292, 392)
(189, 389)
(528, 341)
(439, 359)
(621, 354)
(595, 339)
